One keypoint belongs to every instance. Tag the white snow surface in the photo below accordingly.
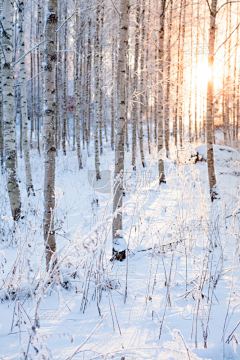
(182, 264)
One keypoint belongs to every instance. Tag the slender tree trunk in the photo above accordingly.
(135, 88)
(161, 172)
(238, 85)
(190, 92)
(29, 184)
(97, 95)
(210, 153)
(182, 77)
(77, 89)
(142, 89)
(57, 120)
(148, 109)
(127, 97)
(121, 112)
(234, 88)
(167, 116)
(228, 72)
(112, 95)
(64, 118)
(41, 54)
(9, 110)
(31, 65)
(175, 127)
(21, 135)
(102, 122)
(37, 79)
(88, 87)
(196, 81)
(49, 121)
(1, 104)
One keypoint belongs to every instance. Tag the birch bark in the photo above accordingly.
(141, 85)
(175, 127)
(97, 94)
(64, 86)
(9, 120)
(112, 95)
(121, 112)
(210, 154)
(49, 121)
(78, 85)
(1, 104)
(29, 184)
(168, 80)
(161, 172)
(135, 88)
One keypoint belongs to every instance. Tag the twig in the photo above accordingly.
(228, 339)
(28, 52)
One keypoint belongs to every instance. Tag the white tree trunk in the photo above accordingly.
(97, 94)
(49, 121)
(9, 120)
(24, 110)
(210, 154)
(141, 85)
(64, 119)
(135, 88)
(121, 113)
(167, 114)
(77, 90)
(1, 114)
(161, 172)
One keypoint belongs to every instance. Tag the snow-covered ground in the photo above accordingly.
(180, 281)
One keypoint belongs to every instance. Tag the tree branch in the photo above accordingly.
(28, 52)
(229, 2)
(227, 39)
(209, 6)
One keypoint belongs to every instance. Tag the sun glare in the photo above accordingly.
(203, 74)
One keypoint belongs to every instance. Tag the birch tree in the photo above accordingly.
(77, 88)
(9, 120)
(64, 85)
(141, 85)
(1, 115)
(135, 88)
(168, 80)
(49, 121)
(97, 95)
(210, 153)
(161, 172)
(119, 141)
(175, 122)
(112, 94)
(29, 184)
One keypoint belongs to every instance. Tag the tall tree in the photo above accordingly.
(1, 115)
(167, 113)
(97, 94)
(49, 121)
(112, 94)
(175, 123)
(135, 87)
(119, 141)
(142, 89)
(161, 171)
(64, 85)
(29, 184)
(210, 153)
(9, 120)
(77, 88)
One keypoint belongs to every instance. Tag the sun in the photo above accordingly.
(203, 74)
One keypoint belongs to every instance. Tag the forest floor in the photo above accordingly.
(182, 266)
